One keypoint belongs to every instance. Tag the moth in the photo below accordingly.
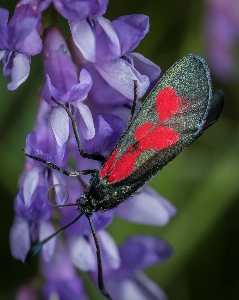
(177, 111)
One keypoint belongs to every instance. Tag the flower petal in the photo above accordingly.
(45, 230)
(43, 5)
(108, 45)
(81, 253)
(4, 14)
(101, 221)
(60, 267)
(76, 10)
(30, 184)
(138, 287)
(19, 238)
(80, 91)
(20, 71)
(146, 67)
(147, 207)
(84, 38)
(121, 75)
(86, 121)
(61, 194)
(108, 129)
(20, 32)
(54, 92)
(139, 252)
(59, 67)
(60, 125)
(109, 249)
(136, 26)
(45, 145)
(2, 54)
(64, 289)
(32, 45)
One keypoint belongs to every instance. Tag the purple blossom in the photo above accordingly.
(63, 84)
(115, 67)
(19, 40)
(41, 142)
(62, 281)
(33, 212)
(108, 129)
(127, 282)
(222, 35)
(85, 18)
(96, 85)
(80, 9)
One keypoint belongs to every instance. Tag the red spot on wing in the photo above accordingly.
(167, 103)
(109, 163)
(142, 131)
(129, 149)
(124, 166)
(157, 139)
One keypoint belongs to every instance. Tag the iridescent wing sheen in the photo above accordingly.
(171, 118)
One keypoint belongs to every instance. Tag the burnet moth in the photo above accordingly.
(176, 112)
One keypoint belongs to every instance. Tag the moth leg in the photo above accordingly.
(100, 271)
(94, 156)
(55, 167)
(134, 103)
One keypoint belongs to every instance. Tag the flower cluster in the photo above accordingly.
(93, 73)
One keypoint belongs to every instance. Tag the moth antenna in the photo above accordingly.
(35, 249)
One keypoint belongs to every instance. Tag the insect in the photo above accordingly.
(176, 112)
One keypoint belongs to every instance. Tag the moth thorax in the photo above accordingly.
(86, 204)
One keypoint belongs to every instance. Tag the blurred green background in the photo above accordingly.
(202, 182)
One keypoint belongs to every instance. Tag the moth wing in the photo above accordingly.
(171, 118)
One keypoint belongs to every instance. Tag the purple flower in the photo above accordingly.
(113, 62)
(108, 129)
(33, 212)
(85, 18)
(19, 40)
(41, 142)
(115, 68)
(62, 281)
(80, 9)
(222, 35)
(126, 281)
(63, 84)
